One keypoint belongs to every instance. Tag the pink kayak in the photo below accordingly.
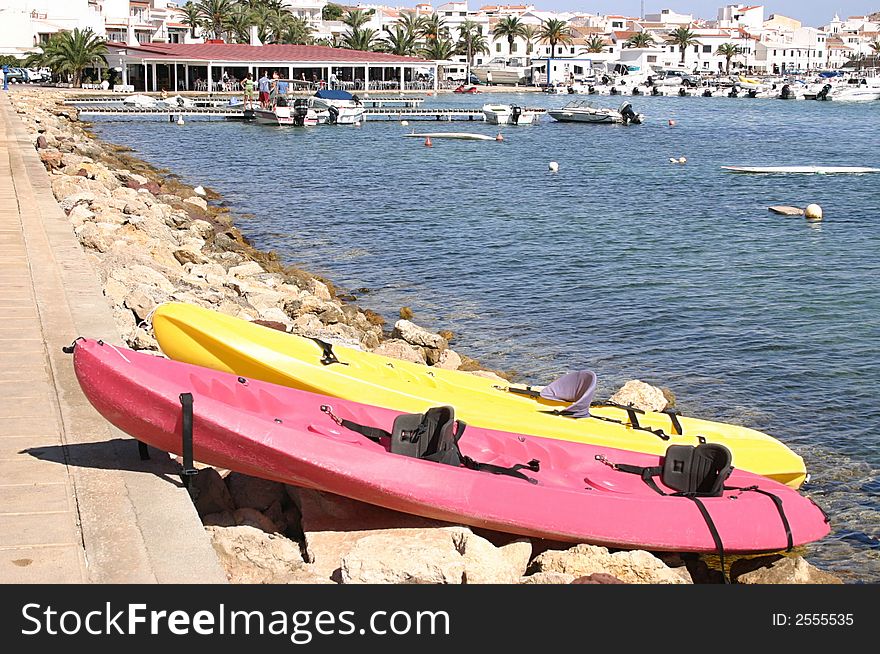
(568, 491)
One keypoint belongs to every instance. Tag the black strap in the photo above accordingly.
(719, 545)
(647, 474)
(635, 425)
(328, 356)
(189, 471)
(528, 391)
(373, 433)
(673, 417)
(511, 471)
(777, 501)
(143, 451)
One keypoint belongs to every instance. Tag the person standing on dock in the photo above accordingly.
(263, 86)
(247, 85)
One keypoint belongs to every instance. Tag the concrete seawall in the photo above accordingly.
(77, 505)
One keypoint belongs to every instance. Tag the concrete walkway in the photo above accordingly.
(77, 505)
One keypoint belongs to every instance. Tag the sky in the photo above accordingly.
(813, 13)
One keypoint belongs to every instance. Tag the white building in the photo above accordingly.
(25, 24)
(801, 50)
(669, 18)
(749, 17)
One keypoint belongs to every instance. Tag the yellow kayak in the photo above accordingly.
(207, 338)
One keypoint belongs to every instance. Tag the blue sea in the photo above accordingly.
(620, 262)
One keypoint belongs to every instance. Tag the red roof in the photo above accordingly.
(241, 52)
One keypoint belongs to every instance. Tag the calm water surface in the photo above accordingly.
(620, 262)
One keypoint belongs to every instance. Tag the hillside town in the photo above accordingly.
(745, 38)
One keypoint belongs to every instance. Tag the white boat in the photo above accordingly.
(299, 115)
(803, 170)
(508, 114)
(464, 136)
(140, 101)
(341, 107)
(585, 112)
(176, 102)
(501, 70)
(856, 89)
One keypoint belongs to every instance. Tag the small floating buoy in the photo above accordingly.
(499, 137)
(671, 123)
(673, 160)
(404, 123)
(813, 212)
(682, 160)
(554, 166)
(357, 123)
(785, 210)
(428, 143)
(180, 119)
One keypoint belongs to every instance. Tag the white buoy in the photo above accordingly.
(682, 160)
(180, 119)
(404, 123)
(357, 123)
(813, 212)
(553, 166)
(673, 160)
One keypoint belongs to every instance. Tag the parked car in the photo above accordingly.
(675, 77)
(17, 75)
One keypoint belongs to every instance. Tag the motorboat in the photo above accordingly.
(176, 102)
(466, 88)
(509, 114)
(856, 89)
(341, 107)
(300, 114)
(581, 111)
(140, 101)
(502, 70)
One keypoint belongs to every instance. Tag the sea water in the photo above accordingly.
(621, 261)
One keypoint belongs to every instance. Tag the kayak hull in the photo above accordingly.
(282, 434)
(214, 340)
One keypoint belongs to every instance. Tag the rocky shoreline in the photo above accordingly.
(152, 239)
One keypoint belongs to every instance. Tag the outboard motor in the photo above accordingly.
(655, 90)
(334, 115)
(682, 92)
(785, 93)
(614, 91)
(637, 91)
(753, 93)
(734, 92)
(300, 111)
(707, 93)
(650, 81)
(591, 89)
(571, 89)
(629, 114)
(515, 113)
(823, 94)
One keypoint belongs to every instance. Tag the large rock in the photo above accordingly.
(448, 360)
(252, 492)
(64, 185)
(76, 199)
(251, 556)
(143, 299)
(210, 494)
(630, 566)
(548, 578)
(250, 269)
(51, 158)
(415, 335)
(429, 557)
(398, 349)
(92, 237)
(641, 395)
(197, 202)
(780, 570)
(486, 564)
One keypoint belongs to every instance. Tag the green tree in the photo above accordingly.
(214, 15)
(509, 27)
(640, 40)
(728, 51)
(361, 38)
(410, 21)
(400, 41)
(434, 27)
(684, 38)
(71, 53)
(438, 50)
(237, 24)
(357, 18)
(595, 44)
(297, 31)
(530, 33)
(555, 31)
(332, 11)
(471, 41)
(191, 17)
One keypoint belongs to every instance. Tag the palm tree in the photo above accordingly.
(438, 49)
(728, 51)
(214, 14)
(71, 53)
(400, 41)
(875, 46)
(192, 17)
(297, 31)
(238, 23)
(595, 44)
(510, 28)
(361, 38)
(555, 31)
(434, 27)
(357, 18)
(530, 33)
(471, 41)
(411, 22)
(684, 38)
(640, 40)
